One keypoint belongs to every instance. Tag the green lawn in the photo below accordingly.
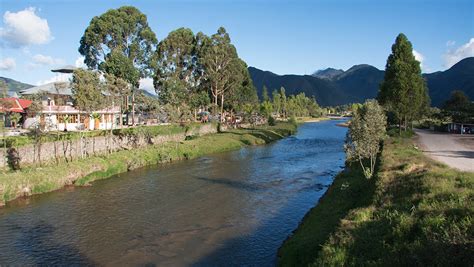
(415, 212)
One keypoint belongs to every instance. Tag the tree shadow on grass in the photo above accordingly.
(397, 233)
(452, 154)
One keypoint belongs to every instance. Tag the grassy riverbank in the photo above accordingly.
(414, 212)
(31, 180)
(311, 119)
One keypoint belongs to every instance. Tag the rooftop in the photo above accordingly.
(54, 88)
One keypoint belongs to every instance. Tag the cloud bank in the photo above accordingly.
(7, 63)
(453, 56)
(420, 58)
(24, 28)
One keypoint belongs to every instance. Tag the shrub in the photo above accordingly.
(292, 120)
(366, 131)
(271, 121)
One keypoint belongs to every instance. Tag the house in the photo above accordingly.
(59, 113)
(12, 105)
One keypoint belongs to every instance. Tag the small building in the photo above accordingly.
(59, 113)
(12, 105)
(461, 128)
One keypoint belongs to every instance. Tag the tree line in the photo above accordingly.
(187, 69)
(190, 71)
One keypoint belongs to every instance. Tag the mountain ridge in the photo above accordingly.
(361, 82)
(15, 86)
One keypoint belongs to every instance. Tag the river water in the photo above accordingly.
(226, 209)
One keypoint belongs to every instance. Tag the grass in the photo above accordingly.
(33, 180)
(415, 212)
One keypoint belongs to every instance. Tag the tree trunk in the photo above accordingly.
(405, 124)
(55, 147)
(400, 127)
(4, 145)
(133, 107)
(215, 104)
(222, 107)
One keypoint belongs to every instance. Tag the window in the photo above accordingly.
(61, 118)
(83, 117)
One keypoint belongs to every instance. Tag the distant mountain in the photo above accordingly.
(148, 93)
(458, 77)
(360, 82)
(15, 86)
(328, 73)
(325, 91)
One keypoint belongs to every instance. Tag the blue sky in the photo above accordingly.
(286, 37)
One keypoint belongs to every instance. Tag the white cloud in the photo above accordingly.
(450, 43)
(24, 28)
(420, 58)
(60, 77)
(147, 84)
(7, 63)
(46, 60)
(453, 56)
(79, 63)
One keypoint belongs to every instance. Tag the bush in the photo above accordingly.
(366, 131)
(13, 159)
(292, 120)
(271, 121)
(394, 132)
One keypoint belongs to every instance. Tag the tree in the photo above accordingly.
(3, 88)
(366, 131)
(198, 100)
(276, 97)
(117, 91)
(243, 93)
(176, 67)
(121, 43)
(87, 90)
(87, 94)
(284, 103)
(220, 64)
(266, 108)
(265, 96)
(4, 105)
(459, 107)
(403, 90)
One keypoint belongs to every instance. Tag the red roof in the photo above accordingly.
(18, 105)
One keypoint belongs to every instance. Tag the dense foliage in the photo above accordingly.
(459, 108)
(191, 73)
(366, 131)
(403, 91)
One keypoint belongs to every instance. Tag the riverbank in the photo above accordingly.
(311, 119)
(37, 180)
(414, 212)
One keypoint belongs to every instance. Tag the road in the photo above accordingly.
(454, 150)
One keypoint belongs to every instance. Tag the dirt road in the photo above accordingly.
(455, 150)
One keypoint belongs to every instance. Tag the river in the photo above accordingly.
(232, 208)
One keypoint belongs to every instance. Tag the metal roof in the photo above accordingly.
(54, 88)
(65, 69)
